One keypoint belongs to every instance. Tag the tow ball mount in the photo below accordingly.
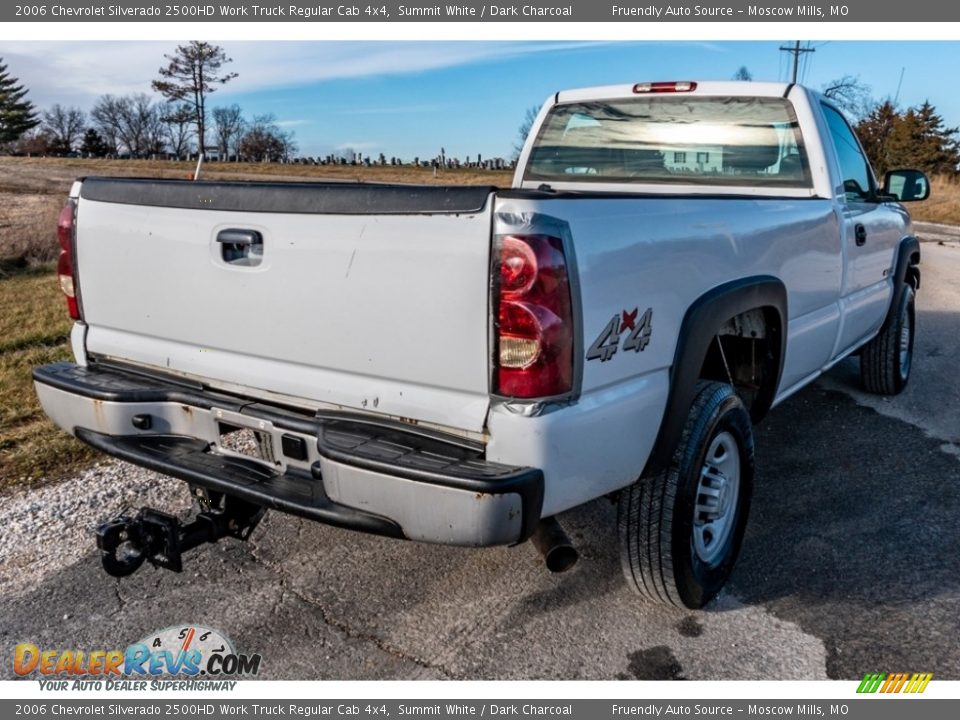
(161, 539)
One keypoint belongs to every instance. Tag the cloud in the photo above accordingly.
(76, 73)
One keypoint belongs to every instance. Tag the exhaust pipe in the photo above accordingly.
(553, 543)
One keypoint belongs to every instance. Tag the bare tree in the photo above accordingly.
(193, 72)
(64, 126)
(852, 95)
(35, 141)
(106, 117)
(228, 128)
(178, 122)
(131, 123)
(141, 125)
(529, 118)
(264, 141)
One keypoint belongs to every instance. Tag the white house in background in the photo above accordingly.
(693, 159)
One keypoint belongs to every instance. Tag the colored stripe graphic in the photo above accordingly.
(918, 682)
(894, 682)
(870, 683)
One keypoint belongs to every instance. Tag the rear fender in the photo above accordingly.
(700, 325)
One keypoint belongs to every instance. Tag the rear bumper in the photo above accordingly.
(340, 469)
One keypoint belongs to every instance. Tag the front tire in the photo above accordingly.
(886, 361)
(681, 529)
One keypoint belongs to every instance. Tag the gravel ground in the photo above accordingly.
(72, 510)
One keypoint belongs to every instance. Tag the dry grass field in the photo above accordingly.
(34, 323)
(34, 329)
(943, 205)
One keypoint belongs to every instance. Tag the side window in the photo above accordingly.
(853, 164)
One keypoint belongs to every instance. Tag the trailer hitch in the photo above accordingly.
(161, 539)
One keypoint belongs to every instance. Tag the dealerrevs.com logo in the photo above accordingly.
(190, 651)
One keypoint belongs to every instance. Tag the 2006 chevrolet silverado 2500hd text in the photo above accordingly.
(460, 364)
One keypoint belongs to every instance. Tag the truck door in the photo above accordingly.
(869, 233)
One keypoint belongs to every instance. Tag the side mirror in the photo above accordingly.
(906, 185)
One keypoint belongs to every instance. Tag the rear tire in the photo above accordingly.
(885, 361)
(681, 529)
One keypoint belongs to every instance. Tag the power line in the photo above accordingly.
(796, 51)
(896, 98)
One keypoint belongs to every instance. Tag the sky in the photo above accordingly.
(413, 98)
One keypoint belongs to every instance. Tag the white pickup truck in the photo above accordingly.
(460, 364)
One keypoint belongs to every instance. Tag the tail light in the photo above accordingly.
(664, 87)
(66, 265)
(533, 326)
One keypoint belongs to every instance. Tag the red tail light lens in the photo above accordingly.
(518, 266)
(533, 332)
(66, 268)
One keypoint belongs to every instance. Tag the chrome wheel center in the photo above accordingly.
(716, 503)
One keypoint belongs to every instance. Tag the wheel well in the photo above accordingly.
(745, 352)
(913, 271)
(704, 319)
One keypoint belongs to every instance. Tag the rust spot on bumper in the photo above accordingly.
(98, 418)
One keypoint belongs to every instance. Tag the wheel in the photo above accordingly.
(680, 530)
(886, 360)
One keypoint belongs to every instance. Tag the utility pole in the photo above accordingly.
(796, 51)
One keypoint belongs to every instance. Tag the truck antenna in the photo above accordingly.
(196, 173)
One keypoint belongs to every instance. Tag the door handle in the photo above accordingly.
(860, 234)
(240, 247)
(239, 237)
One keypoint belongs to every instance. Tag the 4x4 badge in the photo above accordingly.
(608, 342)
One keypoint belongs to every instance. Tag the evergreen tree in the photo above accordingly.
(916, 138)
(17, 115)
(874, 131)
(93, 145)
(922, 141)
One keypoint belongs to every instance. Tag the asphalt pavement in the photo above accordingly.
(851, 563)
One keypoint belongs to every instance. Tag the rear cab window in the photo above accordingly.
(718, 141)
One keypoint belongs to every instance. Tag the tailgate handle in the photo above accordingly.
(241, 247)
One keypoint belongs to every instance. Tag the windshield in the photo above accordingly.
(737, 141)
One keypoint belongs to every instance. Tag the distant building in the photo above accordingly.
(693, 160)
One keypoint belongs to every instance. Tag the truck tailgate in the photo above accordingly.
(366, 297)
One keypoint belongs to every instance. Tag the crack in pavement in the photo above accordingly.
(121, 603)
(342, 627)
